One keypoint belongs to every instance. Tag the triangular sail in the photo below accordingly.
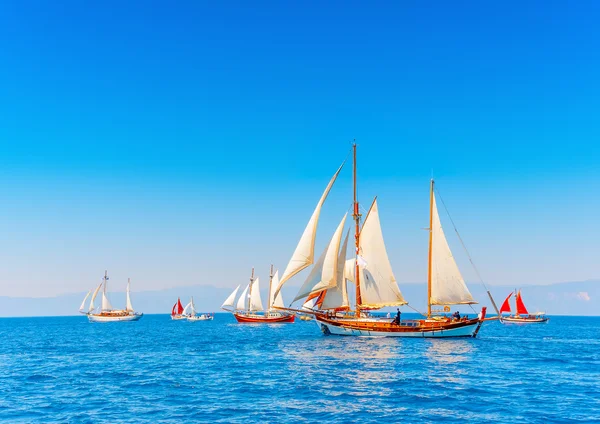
(324, 273)
(255, 300)
(350, 269)
(179, 307)
(447, 284)
(275, 300)
(106, 306)
(92, 307)
(337, 297)
(231, 299)
(304, 254)
(129, 305)
(82, 307)
(189, 309)
(174, 310)
(521, 309)
(241, 303)
(378, 286)
(506, 305)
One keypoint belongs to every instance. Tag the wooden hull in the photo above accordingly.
(114, 318)
(178, 317)
(384, 327)
(524, 320)
(272, 318)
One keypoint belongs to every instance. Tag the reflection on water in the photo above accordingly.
(446, 355)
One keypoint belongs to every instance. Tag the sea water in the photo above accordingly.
(65, 369)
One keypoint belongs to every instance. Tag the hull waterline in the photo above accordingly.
(272, 318)
(521, 320)
(115, 318)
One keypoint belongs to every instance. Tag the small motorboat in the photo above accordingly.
(201, 317)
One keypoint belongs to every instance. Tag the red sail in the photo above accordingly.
(521, 309)
(506, 305)
(179, 307)
(173, 310)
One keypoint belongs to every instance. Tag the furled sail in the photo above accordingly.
(447, 284)
(378, 286)
(255, 301)
(241, 303)
(304, 254)
(92, 307)
(337, 297)
(81, 308)
(231, 299)
(506, 305)
(129, 305)
(521, 309)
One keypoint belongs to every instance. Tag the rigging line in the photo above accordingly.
(417, 311)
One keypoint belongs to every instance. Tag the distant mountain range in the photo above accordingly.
(573, 298)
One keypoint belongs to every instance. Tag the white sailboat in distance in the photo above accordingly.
(106, 313)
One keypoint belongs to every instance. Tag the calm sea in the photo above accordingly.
(68, 370)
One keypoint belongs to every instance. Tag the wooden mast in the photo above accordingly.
(430, 253)
(270, 284)
(250, 291)
(356, 216)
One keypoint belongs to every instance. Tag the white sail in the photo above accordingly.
(92, 307)
(129, 305)
(275, 300)
(447, 284)
(106, 306)
(84, 300)
(255, 300)
(350, 269)
(241, 303)
(231, 299)
(378, 286)
(304, 254)
(337, 297)
(324, 273)
(309, 305)
(189, 308)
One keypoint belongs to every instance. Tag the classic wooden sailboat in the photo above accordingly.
(376, 287)
(177, 311)
(249, 307)
(107, 313)
(522, 316)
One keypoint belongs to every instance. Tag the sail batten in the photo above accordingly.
(447, 284)
(378, 286)
(304, 254)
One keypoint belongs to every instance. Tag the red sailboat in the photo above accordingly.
(177, 311)
(249, 307)
(522, 316)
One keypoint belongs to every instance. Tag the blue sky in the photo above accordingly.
(182, 143)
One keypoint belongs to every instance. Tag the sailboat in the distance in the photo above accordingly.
(325, 288)
(249, 307)
(107, 313)
(522, 316)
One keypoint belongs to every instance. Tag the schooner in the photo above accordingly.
(107, 313)
(249, 307)
(325, 291)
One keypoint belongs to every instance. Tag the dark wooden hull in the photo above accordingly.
(261, 319)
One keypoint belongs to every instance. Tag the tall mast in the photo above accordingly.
(430, 250)
(356, 216)
(250, 290)
(270, 284)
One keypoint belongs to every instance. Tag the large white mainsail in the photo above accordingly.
(337, 297)
(447, 284)
(241, 303)
(129, 307)
(378, 286)
(106, 306)
(231, 299)
(255, 300)
(350, 269)
(324, 273)
(304, 254)
(81, 308)
(92, 307)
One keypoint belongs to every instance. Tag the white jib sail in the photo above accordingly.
(106, 306)
(92, 307)
(189, 309)
(447, 284)
(309, 305)
(378, 286)
(275, 300)
(324, 273)
(255, 300)
(241, 303)
(337, 297)
(84, 300)
(231, 299)
(304, 254)
(129, 305)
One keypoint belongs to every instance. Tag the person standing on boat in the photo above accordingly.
(398, 319)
